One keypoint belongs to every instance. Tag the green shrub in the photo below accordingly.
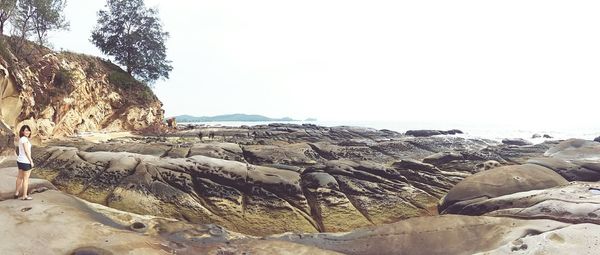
(63, 77)
(126, 82)
(91, 69)
(146, 94)
(122, 79)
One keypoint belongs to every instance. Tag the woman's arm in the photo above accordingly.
(27, 149)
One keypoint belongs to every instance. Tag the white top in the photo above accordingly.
(22, 158)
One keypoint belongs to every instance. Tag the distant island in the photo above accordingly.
(232, 117)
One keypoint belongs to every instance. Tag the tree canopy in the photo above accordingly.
(37, 17)
(133, 35)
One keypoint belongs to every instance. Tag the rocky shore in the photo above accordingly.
(318, 190)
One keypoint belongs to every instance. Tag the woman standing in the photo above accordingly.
(24, 162)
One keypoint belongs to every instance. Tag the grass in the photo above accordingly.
(126, 82)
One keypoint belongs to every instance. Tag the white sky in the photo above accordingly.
(515, 61)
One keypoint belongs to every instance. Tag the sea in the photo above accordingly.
(492, 131)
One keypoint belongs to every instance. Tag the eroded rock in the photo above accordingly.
(497, 182)
(448, 234)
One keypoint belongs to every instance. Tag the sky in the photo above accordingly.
(499, 61)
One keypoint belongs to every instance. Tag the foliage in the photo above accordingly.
(7, 8)
(133, 35)
(63, 77)
(126, 82)
(121, 79)
(35, 18)
(91, 68)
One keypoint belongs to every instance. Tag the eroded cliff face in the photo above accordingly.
(60, 94)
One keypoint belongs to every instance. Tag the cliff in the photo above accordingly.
(62, 93)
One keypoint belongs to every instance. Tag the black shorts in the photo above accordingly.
(24, 166)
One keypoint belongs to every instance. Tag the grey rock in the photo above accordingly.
(443, 157)
(422, 235)
(516, 141)
(497, 182)
(426, 133)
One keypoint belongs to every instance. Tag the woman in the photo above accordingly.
(24, 162)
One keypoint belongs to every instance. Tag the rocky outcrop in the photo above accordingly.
(463, 198)
(553, 221)
(383, 187)
(425, 133)
(547, 136)
(87, 228)
(7, 139)
(516, 141)
(574, 159)
(577, 202)
(537, 190)
(59, 94)
(336, 196)
(249, 178)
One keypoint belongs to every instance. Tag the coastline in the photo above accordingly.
(492, 131)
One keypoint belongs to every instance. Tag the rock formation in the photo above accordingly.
(425, 133)
(318, 179)
(367, 191)
(57, 223)
(59, 94)
(516, 141)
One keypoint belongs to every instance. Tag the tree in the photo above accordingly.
(6, 10)
(133, 35)
(47, 16)
(21, 22)
(38, 17)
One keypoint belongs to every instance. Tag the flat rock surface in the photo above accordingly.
(573, 203)
(448, 234)
(574, 159)
(576, 239)
(8, 177)
(54, 223)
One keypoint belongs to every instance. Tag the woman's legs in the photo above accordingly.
(25, 183)
(19, 183)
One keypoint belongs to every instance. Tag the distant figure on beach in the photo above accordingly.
(200, 135)
(24, 163)
(172, 122)
(211, 135)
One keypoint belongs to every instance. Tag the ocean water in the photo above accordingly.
(493, 131)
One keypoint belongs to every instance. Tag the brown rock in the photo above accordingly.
(57, 94)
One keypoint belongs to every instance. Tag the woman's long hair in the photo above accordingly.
(22, 131)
